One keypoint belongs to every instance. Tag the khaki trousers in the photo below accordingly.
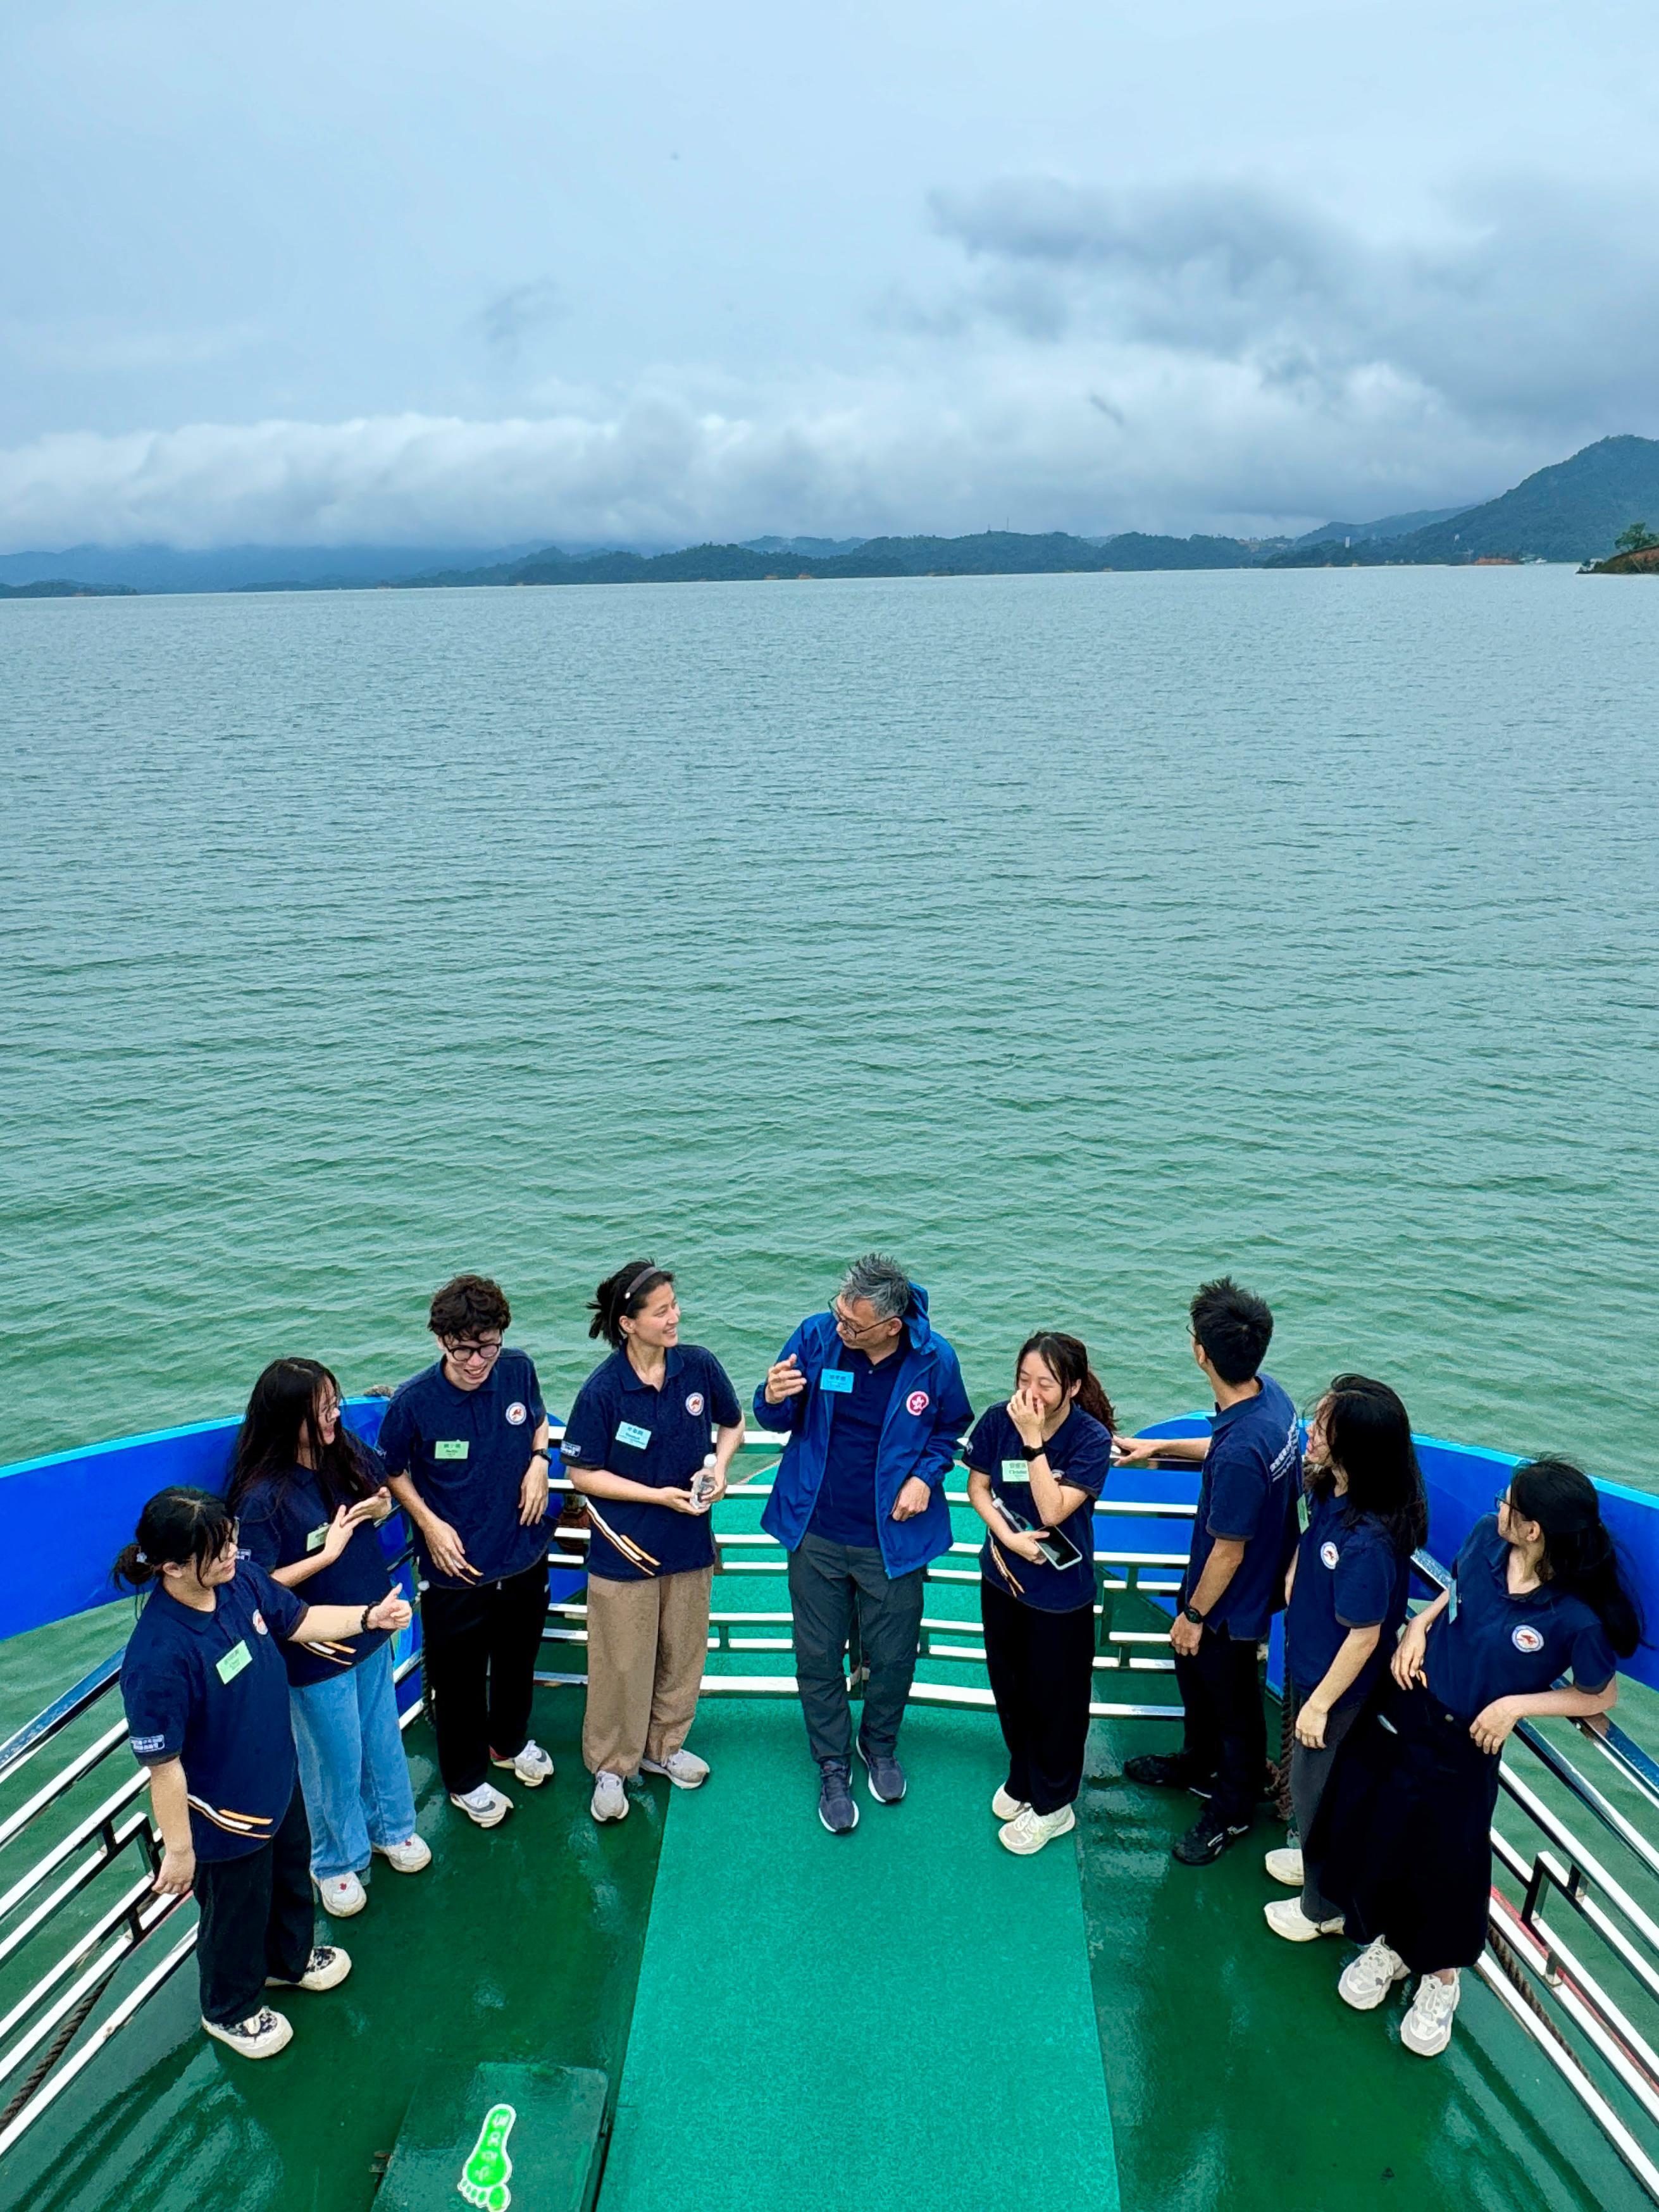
(647, 1644)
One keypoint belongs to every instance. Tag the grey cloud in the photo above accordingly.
(1533, 299)
(516, 315)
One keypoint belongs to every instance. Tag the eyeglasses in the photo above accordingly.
(850, 1327)
(1501, 1500)
(469, 1351)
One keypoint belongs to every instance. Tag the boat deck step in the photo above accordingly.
(503, 2134)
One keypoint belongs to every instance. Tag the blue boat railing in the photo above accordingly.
(1573, 1953)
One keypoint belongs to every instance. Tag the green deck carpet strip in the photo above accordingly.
(899, 2019)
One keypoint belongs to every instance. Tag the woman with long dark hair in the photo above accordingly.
(310, 1499)
(1404, 1832)
(1362, 1514)
(648, 1444)
(207, 1704)
(1035, 1466)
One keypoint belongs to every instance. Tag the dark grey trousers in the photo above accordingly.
(1309, 1771)
(829, 1586)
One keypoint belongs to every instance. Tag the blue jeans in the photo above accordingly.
(352, 1767)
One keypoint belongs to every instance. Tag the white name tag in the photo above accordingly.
(628, 1434)
(456, 1448)
(317, 1539)
(1016, 1470)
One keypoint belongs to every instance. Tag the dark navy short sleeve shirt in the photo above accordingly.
(1080, 1454)
(284, 1523)
(466, 1452)
(1488, 1644)
(211, 1690)
(659, 1436)
(1348, 1575)
(1247, 1491)
(859, 1392)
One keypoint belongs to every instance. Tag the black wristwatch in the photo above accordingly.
(1190, 1612)
(1029, 1452)
(541, 1452)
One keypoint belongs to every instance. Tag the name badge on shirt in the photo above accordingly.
(1451, 1602)
(1016, 1470)
(628, 1434)
(234, 1659)
(836, 1379)
(317, 1539)
(456, 1448)
(1304, 1513)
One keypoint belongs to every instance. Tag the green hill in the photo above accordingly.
(62, 587)
(989, 553)
(1571, 511)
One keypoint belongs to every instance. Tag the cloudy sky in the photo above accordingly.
(643, 272)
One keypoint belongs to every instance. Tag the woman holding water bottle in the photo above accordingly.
(648, 1444)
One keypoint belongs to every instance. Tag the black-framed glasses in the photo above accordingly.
(1501, 1500)
(472, 1351)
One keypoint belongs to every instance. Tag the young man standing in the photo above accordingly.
(465, 1447)
(1242, 1533)
(871, 1400)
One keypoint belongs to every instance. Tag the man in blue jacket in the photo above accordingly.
(873, 1402)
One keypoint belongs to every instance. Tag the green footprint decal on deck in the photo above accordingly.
(487, 2172)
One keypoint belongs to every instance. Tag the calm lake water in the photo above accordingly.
(1076, 937)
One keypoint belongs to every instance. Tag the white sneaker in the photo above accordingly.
(411, 1857)
(1028, 1832)
(610, 1798)
(1426, 2028)
(1006, 1805)
(683, 1769)
(1369, 1978)
(261, 2036)
(1286, 1918)
(1285, 1866)
(343, 1894)
(532, 1766)
(326, 1969)
(486, 1805)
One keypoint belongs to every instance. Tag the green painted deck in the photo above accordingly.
(795, 2023)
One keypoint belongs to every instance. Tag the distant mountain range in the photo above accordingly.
(990, 553)
(1572, 511)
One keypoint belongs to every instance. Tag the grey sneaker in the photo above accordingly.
(887, 1784)
(836, 1807)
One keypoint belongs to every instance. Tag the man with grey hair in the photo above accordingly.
(871, 1398)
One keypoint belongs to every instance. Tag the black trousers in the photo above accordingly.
(828, 1584)
(480, 1648)
(256, 1919)
(1404, 1832)
(1226, 1737)
(1042, 1670)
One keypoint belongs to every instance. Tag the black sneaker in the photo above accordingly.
(836, 1807)
(1266, 1794)
(887, 1783)
(1206, 1839)
(1165, 1769)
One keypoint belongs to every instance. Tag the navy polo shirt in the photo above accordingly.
(1251, 1480)
(283, 1522)
(466, 1452)
(1080, 1453)
(1348, 1575)
(1488, 1644)
(845, 1512)
(657, 1436)
(210, 1689)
